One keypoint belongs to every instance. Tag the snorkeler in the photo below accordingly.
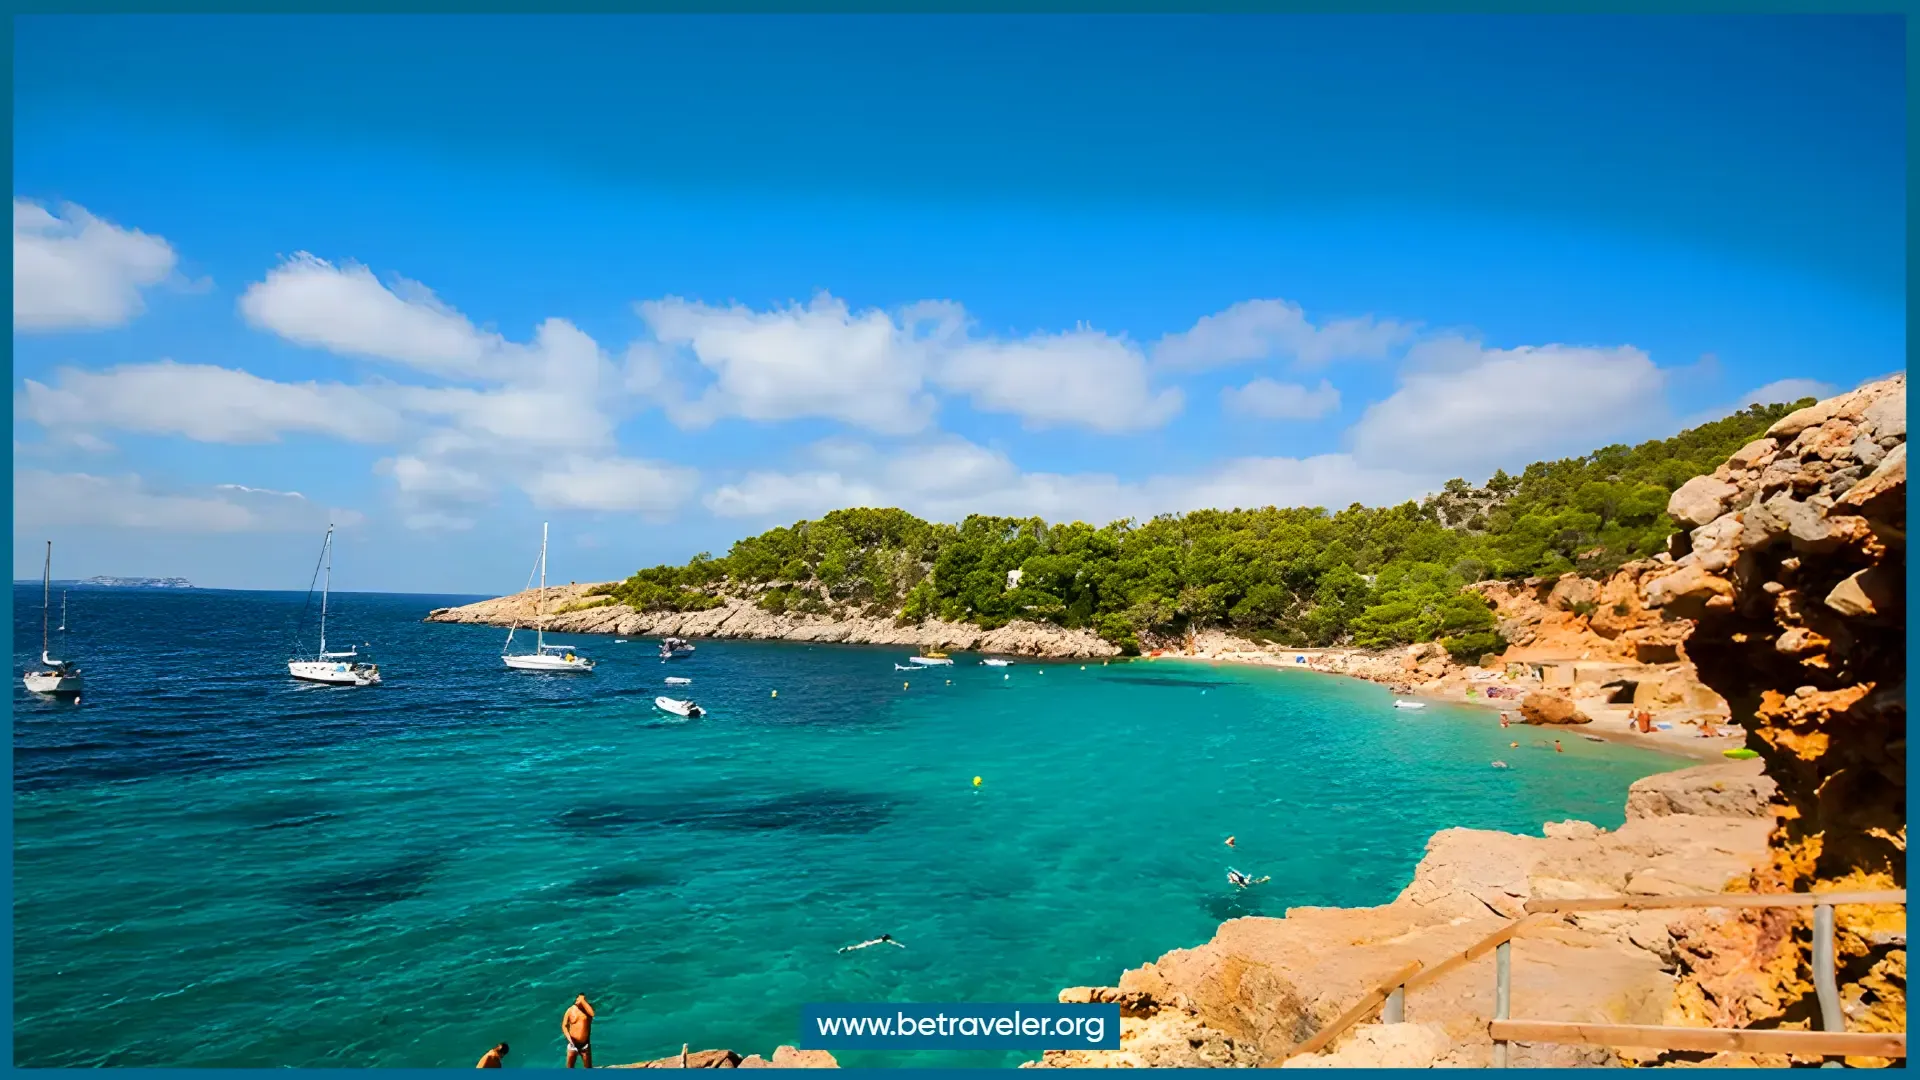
(1241, 879)
(883, 939)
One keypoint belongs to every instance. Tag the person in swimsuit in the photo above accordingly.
(883, 939)
(1241, 879)
(577, 1026)
(492, 1058)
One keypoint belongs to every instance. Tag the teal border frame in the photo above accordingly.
(1587, 8)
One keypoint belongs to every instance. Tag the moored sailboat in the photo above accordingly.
(544, 657)
(59, 678)
(333, 668)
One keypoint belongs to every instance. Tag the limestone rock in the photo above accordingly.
(788, 1057)
(1736, 790)
(1545, 707)
(1862, 593)
(1571, 830)
(1807, 644)
(1700, 500)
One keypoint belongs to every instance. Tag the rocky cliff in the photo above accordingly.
(1263, 985)
(573, 609)
(1791, 586)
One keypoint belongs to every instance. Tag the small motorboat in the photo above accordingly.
(680, 708)
(931, 659)
(676, 644)
(675, 680)
(1409, 704)
(994, 661)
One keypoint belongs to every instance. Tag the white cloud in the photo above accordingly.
(345, 309)
(946, 479)
(1080, 378)
(1269, 400)
(204, 403)
(1259, 329)
(78, 272)
(871, 369)
(46, 498)
(1462, 407)
(1786, 392)
(614, 483)
(822, 360)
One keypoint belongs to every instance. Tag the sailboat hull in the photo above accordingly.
(537, 662)
(41, 682)
(332, 673)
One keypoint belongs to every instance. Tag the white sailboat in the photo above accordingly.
(544, 657)
(333, 668)
(58, 677)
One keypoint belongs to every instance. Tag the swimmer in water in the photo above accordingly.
(1499, 764)
(1229, 841)
(1557, 748)
(1503, 720)
(1241, 879)
(883, 939)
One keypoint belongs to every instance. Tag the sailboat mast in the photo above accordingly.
(326, 588)
(540, 632)
(46, 598)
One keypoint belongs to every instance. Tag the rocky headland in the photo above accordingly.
(577, 609)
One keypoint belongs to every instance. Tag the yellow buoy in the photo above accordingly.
(976, 781)
(1006, 676)
(1083, 667)
(776, 693)
(903, 686)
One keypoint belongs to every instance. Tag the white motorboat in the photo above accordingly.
(680, 708)
(994, 661)
(58, 678)
(544, 657)
(674, 680)
(334, 668)
(1409, 704)
(932, 659)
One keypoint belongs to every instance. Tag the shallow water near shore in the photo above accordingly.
(220, 867)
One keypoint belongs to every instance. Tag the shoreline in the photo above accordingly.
(1609, 721)
(1423, 669)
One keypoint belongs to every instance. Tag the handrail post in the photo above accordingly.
(1824, 984)
(1502, 996)
(1395, 1011)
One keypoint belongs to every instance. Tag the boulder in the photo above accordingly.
(1734, 790)
(1700, 500)
(1544, 707)
(1863, 593)
(1570, 590)
(1571, 830)
(788, 1057)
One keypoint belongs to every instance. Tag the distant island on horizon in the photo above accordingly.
(105, 582)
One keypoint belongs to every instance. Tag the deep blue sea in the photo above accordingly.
(217, 866)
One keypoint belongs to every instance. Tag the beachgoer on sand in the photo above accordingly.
(492, 1058)
(577, 1026)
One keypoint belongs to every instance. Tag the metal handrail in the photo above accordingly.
(1391, 994)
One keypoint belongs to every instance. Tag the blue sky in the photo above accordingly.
(670, 281)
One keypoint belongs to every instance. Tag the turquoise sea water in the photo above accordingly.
(220, 867)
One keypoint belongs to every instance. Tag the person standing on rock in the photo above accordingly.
(577, 1026)
(493, 1058)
